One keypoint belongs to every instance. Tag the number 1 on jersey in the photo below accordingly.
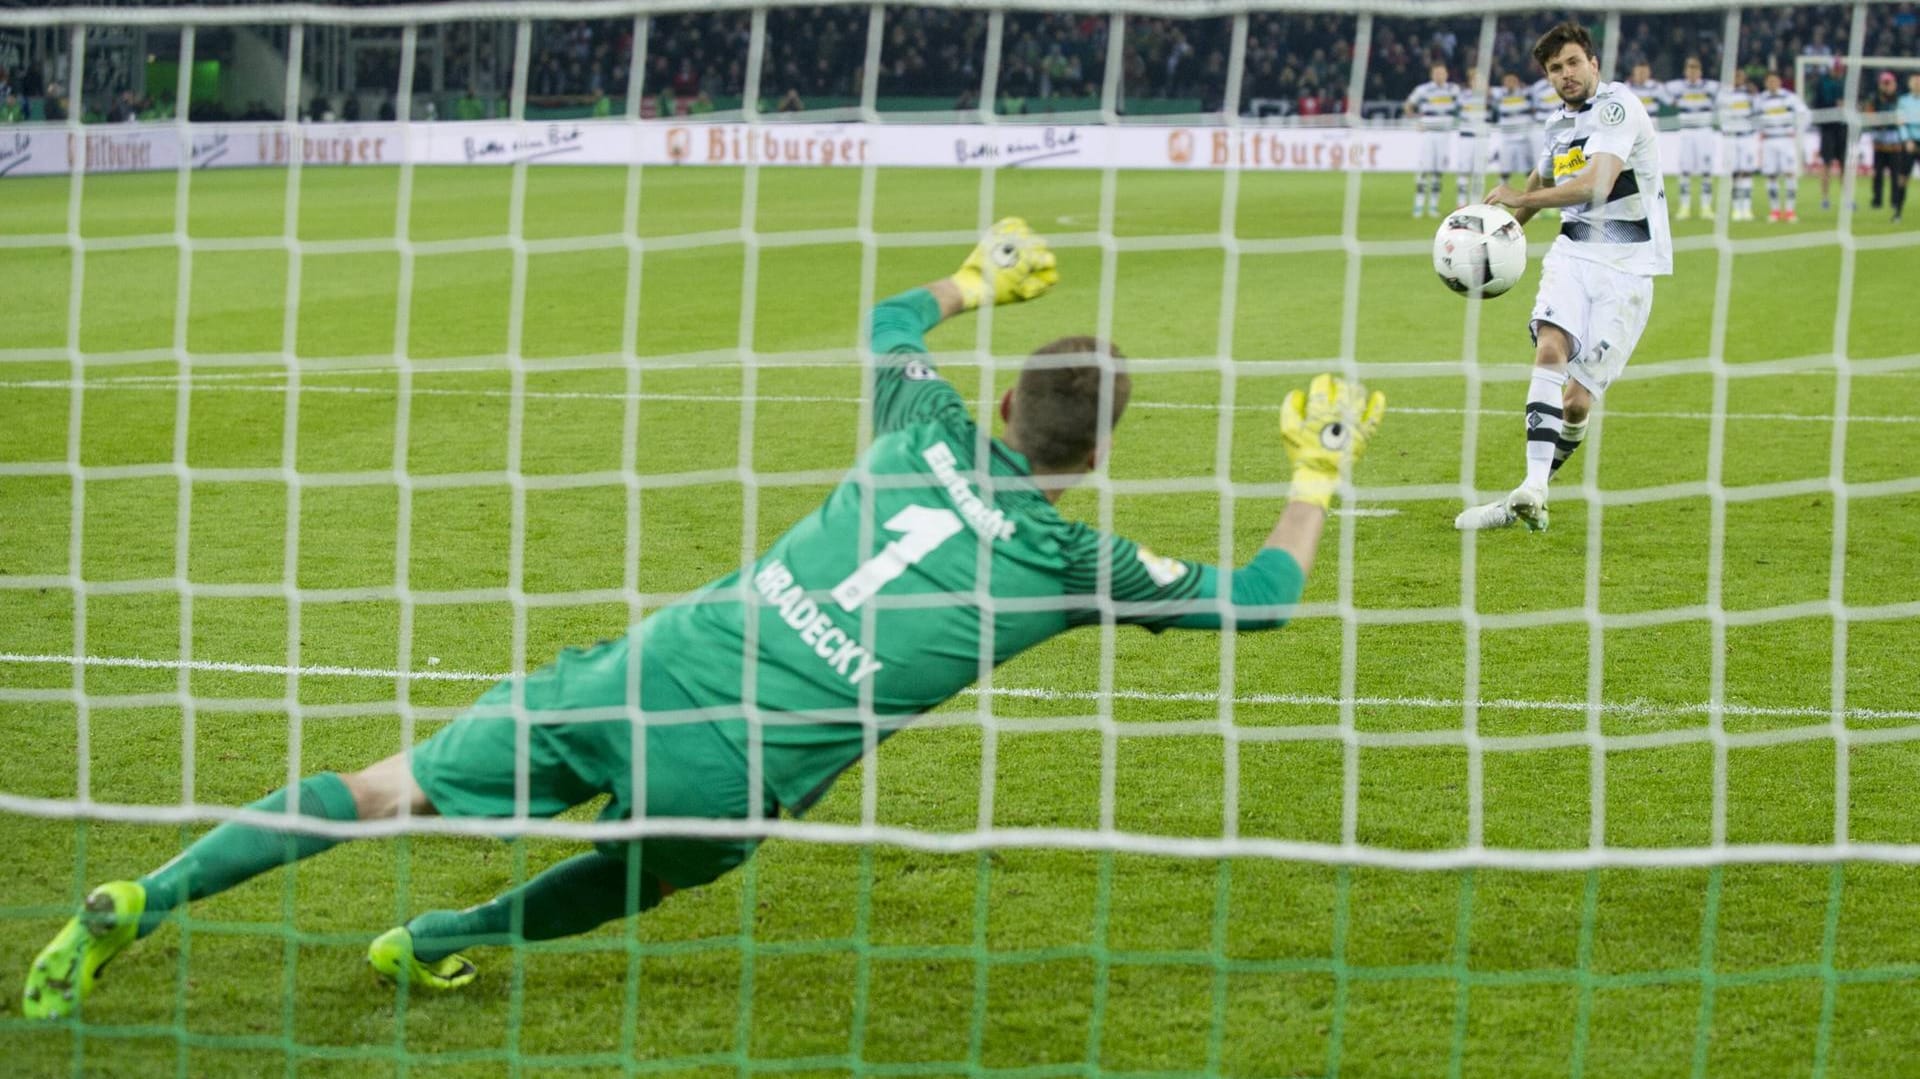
(923, 528)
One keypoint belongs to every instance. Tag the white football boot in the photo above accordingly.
(1528, 502)
(1479, 518)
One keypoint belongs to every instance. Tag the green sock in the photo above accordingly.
(235, 852)
(572, 897)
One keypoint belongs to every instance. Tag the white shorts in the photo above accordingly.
(1470, 155)
(1435, 147)
(1780, 156)
(1602, 309)
(1696, 151)
(1741, 153)
(1516, 154)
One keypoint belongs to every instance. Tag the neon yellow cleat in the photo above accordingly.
(391, 953)
(65, 970)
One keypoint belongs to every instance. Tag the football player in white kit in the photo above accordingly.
(1601, 166)
(1783, 120)
(1470, 141)
(1693, 97)
(1739, 144)
(1653, 95)
(1513, 118)
(1436, 106)
(1545, 100)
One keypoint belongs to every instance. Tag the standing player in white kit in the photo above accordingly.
(1783, 120)
(1513, 117)
(1739, 143)
(1601, 167)
(1435, 105)
(1653, 95)
(1694, 98)
(1470, 149)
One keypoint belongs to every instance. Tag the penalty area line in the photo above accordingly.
(1037, 693)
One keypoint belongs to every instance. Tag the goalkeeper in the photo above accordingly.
(847, 621)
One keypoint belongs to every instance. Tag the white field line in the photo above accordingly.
(1039, 693)
(166, 384)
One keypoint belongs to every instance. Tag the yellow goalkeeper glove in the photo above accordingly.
(1011, 263)
(1322, 428)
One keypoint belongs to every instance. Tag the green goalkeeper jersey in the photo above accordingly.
(890, 598)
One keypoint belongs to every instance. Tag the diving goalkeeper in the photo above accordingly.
(844, 617)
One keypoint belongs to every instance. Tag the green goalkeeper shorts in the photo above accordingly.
(470, 767)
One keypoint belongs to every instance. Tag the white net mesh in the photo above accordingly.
(1811, 513)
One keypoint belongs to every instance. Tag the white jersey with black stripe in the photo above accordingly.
(1780, 113)
(1436, 105)
(1545, 99)
(1653, 95)
(1474, 111)
(1627, 229)
(1734, 112)
(1514, 111)
(1694, 100)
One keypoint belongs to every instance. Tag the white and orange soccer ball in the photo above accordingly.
(1480, 250)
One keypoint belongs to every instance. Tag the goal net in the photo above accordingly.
(358, 357)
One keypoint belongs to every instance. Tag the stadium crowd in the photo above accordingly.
(1295, 64)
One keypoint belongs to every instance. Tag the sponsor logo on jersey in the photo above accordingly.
(1613, 113)
(919, 372)
(1570, 162)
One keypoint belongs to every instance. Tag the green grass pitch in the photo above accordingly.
(825, 960)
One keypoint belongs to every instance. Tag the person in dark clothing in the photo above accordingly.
(1829, 92)
(1890, 163)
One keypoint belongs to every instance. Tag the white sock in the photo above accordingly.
(1793, 192)
(1686, 188)
(1544, 422)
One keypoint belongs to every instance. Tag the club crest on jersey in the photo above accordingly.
(1162, 569)
(919, 372)
(1613, 113)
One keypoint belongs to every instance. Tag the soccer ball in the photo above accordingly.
(1480, 251)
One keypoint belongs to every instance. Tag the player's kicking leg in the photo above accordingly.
(1557, 410)
(120, 912)
(1587, 319)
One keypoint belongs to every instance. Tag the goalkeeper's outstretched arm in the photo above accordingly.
(1325, 430)
(1010, 264)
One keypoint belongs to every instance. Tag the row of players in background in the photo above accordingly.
(1760, 131)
